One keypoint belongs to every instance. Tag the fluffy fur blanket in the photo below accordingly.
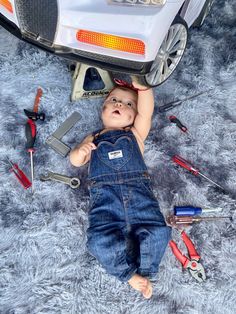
(44, 264)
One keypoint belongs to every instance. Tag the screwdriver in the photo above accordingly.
(174, 221)
(30, 133)
(192, 211)
(20, 175)
(179, 124)
(187, 165)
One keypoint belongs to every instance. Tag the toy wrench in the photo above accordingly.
(74, 182)
(195, 268)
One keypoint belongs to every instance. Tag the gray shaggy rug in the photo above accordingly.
(44, 264)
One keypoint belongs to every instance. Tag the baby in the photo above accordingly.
(127, 232)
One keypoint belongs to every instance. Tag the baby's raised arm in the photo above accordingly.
(145, 107)
(81, 154)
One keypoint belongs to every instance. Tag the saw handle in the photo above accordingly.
(37, 99)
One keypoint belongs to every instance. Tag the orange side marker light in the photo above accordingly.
(7, 5)
(131, 45)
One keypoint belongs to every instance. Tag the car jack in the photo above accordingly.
(89, 81)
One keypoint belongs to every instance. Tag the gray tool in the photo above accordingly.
(54, 140)
(74, 182)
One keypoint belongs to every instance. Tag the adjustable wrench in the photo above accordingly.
(72, 182)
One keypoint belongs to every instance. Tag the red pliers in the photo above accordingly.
(195, 268)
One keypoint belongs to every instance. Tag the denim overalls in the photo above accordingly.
(127, 232)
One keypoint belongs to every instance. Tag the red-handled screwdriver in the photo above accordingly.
(20, 175)
(30, 133)
(187, 165)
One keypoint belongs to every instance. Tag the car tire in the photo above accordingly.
(169, 54)
(204, 12)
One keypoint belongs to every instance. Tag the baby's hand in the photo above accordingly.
(85, 149)
(81, 154)
(137, 84)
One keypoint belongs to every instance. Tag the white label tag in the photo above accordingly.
(115, 154)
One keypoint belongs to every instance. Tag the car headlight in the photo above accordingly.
(138, 2)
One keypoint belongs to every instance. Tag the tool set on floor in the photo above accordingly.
(183, 216)
(54, 141)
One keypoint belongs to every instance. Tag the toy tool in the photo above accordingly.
(30, 133)
(22, 178)
(178, 221)
(192, 263)
(35, 115)
(74, 182)
(54, 140)
(191, 210)
(187, 165)
(37, 99)
(179, 124)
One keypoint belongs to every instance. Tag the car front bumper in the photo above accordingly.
(97, 60)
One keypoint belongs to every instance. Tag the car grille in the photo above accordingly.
(38, 19)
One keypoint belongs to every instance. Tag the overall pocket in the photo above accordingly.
(115, 155)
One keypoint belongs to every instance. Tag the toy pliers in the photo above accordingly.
(195, 268)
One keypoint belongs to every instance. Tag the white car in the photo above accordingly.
(146, 38)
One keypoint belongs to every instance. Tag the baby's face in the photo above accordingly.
(119, 109)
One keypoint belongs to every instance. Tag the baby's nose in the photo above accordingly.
(119, 103)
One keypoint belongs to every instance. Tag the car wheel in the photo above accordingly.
(169, 54)
(205, 11)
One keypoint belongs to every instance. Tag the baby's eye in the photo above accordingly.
(130, 104)
(113, 99)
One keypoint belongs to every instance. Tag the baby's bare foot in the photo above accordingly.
(141, 284)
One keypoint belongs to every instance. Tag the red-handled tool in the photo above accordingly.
(30, 133)
(191, 248)
(192, 263)
(22, 178)
(187, 165)
(179, 124)
(34, 115)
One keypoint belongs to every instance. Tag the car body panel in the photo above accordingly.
(149, 24)
(111, 19)
(191, 10)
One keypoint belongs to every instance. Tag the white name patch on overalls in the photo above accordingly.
(115, 154)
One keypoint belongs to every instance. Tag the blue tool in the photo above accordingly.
(192, 211)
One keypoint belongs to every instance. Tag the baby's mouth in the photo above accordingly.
(116, 112)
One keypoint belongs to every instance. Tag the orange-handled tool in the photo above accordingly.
(37, 99)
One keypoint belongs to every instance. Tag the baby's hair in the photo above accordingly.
(123, 88)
